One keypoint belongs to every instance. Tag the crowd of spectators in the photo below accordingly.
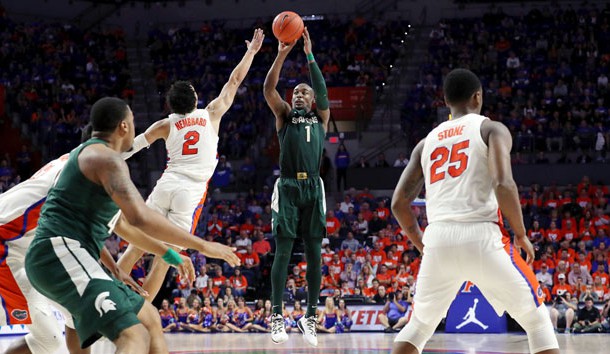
(51, 73)
(231, 314)
(544, 75)
(569, 228)
(366, 258)
(364, 253)
(11, 173)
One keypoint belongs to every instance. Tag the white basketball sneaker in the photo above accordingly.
(307, 325)
(278, 331)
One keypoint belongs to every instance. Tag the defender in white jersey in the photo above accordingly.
(465, 165)
(20, 303)
(191, 139)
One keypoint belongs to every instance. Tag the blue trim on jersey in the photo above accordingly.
(25, 218)
(5, 254)
(523, 275)
(8, 319)
(193, 217)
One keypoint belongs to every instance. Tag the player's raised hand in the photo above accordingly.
(284, 48)
(257, 41)
(186, 269)
(522, 243)
(220, 251)
(306, 41)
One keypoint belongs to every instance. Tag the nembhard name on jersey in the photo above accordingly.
(297, 120)
(188, 122)
(448, 133)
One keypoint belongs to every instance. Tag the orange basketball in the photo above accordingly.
(288, 26)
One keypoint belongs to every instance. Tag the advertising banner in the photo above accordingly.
(471, 313)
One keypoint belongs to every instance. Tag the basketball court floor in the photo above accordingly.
(348, 343)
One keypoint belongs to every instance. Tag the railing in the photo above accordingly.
(368, 154)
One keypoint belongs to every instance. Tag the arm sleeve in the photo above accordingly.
(319, 86)
(139, 143)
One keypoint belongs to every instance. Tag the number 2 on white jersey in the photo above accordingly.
(190, 138)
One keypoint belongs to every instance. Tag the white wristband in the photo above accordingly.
(139, 143)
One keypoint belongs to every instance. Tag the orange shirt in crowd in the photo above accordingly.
(536, 234)
(547, 294)
(601, 291)
(249, 228)
(327, 257)
(583, 201)
(239, 283)
(570, 234)
(549, 262)
(602, 274)
(571, 254)
(384, 279)
(565, 287)
(215, 228)
(251, 259)
(219, 281)
(551, 203)
(554, 235)
(332, 225)
(391, 264)
(378, 256)
(587, 234)
(329, 282)
(384, 213)
(261, 246)
(369, 292)
(335, 269)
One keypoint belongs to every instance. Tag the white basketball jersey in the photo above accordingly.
(458, 183)
(192, 145)
(20, 206)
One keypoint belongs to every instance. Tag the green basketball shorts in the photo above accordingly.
(298, 208)
(60, 269)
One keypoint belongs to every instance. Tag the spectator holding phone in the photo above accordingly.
(563, 308)
(394, 309)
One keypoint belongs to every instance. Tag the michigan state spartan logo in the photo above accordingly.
(103, 305)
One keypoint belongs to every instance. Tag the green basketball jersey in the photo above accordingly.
(77, 208)
(301, 144)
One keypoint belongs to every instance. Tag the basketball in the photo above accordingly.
(288, 27)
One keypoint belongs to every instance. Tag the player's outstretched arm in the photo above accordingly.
(221, 104)
(409, 185)
(317, 81)
(500, 142)
(141, 240)
(112, 173)
(117, 272)
(279, 107)
(157, 130)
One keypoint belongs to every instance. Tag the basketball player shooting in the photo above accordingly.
(298, 203)
(465, 165)
(191, 139)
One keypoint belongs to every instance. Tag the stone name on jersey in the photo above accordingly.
(451, 132)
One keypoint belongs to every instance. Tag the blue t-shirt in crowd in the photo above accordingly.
(394, 313)
(342, 159)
